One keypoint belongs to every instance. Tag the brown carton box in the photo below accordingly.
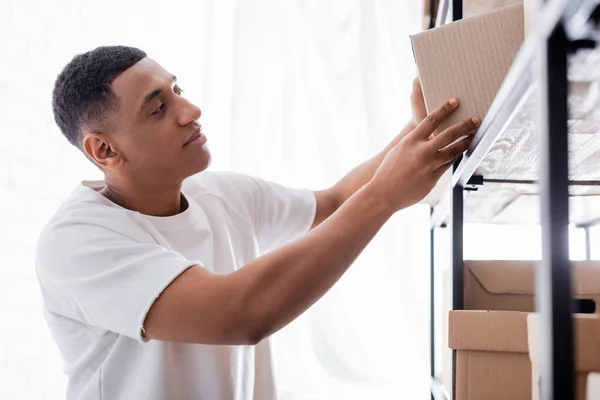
(510, 285)
(468, 59)
(490, 336)
(587, 351)
(491, 359)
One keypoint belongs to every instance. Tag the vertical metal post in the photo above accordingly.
(588, 243)
(432, 301)
(456, 231)
(456, 216)
(457, 10)
(554, 275)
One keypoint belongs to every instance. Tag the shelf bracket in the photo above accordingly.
(581, 44)
(473, 183)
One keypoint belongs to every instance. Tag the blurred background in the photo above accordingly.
(294, 91)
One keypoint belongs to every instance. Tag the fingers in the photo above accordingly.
(417, 91)
(452, 152)
(455, 132)
(416, 83)
(433, 120)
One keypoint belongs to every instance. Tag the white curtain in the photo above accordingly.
(300, 92)
(294, 91)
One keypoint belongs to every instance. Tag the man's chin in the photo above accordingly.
(202, 163)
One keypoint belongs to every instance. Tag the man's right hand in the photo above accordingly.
(411, 169)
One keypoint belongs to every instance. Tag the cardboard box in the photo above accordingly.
(510, 285)
(587, 351)
(491, 355)
(490, 336)
(476, 7)
(468, 59)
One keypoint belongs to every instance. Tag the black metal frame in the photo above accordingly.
(456, 231)
(559, 32)
(432, 307)
(588, 238)
(553, 278)
(456, 226)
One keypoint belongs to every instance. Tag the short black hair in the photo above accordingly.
(82, 95)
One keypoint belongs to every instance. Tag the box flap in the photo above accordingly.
(468, 59)
(504, 331)
(587, 341)
(518, 277)
(502, 276)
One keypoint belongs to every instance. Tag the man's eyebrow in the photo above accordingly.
(155, 93)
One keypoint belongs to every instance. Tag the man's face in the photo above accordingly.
(156, 132)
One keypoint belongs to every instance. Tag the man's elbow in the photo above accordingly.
(255, 322)
(254, 338)
(256, 330)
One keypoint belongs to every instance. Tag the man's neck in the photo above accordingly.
(155, 200)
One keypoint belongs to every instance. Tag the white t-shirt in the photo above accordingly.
(100, 268)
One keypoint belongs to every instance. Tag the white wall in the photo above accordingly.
(38, 168)
(35, 170)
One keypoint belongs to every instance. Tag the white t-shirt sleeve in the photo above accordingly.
(96, 275)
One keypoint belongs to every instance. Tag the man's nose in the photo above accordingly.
(189, 113)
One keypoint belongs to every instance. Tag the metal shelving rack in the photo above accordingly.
(562, 26)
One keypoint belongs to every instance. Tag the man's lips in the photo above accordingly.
(197, 138)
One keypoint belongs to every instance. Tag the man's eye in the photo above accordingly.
(178, 90)
(159, 109)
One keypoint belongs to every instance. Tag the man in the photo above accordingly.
(165, 281)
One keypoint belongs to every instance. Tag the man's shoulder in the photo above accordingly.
(85, 208)
(86, 203)
(85, 225)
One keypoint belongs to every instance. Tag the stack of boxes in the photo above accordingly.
(496, 336)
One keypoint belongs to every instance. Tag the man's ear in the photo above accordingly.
(99, 149)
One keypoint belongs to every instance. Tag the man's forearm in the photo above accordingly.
(279, 286)
(363, 173)
(249, 304)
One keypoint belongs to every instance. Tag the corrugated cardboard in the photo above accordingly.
(510, 285)
(491, 360)
(468, 59)
(497, 331)
(446, 373)
(587, 351)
